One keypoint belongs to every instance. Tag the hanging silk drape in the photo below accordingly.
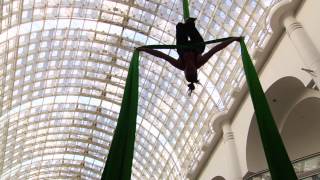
(186, 13)
(119, 162)
(118, 166)
(277, 158)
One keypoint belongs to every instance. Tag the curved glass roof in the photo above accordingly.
(63, 69)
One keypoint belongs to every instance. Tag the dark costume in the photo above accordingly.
(190, 58)
(186, 33)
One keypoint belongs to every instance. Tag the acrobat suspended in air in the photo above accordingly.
(190, 59)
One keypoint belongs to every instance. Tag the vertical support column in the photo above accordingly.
(305, 47)
(232, 159)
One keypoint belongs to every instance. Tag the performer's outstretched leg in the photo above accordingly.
(195, 36)
(181, 37)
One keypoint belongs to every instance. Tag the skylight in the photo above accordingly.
(63, 70)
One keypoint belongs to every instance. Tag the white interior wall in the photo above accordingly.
(283, 97)
(284, 61)
(309, 18)
(301, 131)
(218, 165)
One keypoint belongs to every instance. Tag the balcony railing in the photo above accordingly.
(306, 168)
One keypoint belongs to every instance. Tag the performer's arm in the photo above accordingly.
(177, 64)
(205, 57)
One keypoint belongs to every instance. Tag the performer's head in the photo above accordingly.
(192, 77)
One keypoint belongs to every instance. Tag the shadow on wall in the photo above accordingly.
(295, 109)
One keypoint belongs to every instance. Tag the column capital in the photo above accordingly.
(280, 11)
(291, 24)
(227, 131)
(228, 136)
(219, 119)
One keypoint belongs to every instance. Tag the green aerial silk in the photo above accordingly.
(119, 162)
(186, 13)
(278, 161)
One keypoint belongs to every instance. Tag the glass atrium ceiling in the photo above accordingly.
(63, 65)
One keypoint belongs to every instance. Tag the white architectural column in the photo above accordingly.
(305, 47)
(232, 156)
(282, 16)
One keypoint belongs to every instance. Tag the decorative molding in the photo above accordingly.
(228, 136)
(280, 11)
(293, 26)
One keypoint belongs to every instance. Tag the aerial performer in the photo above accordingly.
(191, 58)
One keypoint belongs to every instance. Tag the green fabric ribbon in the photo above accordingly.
(119, 162)
(185, 46)
(278, 161)
(186, 13)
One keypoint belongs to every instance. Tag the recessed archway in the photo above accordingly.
(218, 178)
(281, 96)
(301, 130)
